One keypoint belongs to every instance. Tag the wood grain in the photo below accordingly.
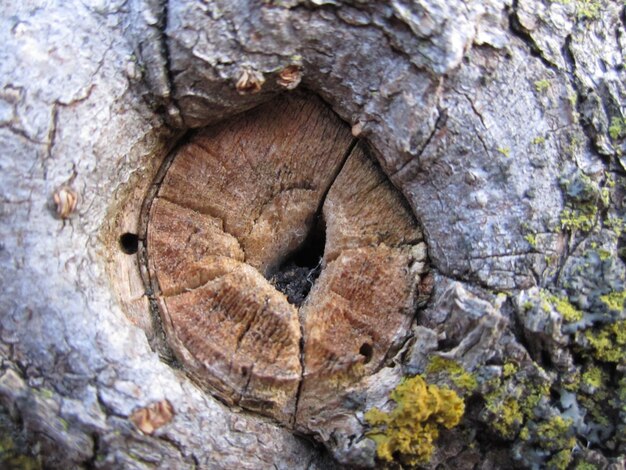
(236, 202)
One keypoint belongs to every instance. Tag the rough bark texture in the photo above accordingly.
(501, 122)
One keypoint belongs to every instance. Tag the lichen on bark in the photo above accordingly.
(93, 96)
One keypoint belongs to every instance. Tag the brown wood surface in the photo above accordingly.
(236, 202)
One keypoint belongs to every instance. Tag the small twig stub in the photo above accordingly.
(65, 201)
(152, 417)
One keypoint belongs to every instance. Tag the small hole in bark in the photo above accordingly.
(298, 273)
(621, 248)
(244, 371)
(366, 351)
(129, 243)
(546, 360)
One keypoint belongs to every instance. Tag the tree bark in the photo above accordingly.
(501, 122)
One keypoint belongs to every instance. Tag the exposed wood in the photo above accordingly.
(238, 201)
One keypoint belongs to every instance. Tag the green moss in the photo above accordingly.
(512, 404)
(609, 342)
(410, 429)
(614, 300)
(605, 196)
(542, 85)
(64, 423)
(617, 129)
(506, 407)
(539, 140)
(457, 374)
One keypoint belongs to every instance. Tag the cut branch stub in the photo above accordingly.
(235, 206)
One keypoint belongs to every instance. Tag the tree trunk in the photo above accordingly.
(501, 122)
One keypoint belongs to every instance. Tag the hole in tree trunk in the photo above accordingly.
(129, 243)
(297, 274)
(366, 351)
(249, 215)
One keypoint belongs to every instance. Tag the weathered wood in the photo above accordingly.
(236, 202)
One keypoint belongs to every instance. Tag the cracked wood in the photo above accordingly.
(237, 201)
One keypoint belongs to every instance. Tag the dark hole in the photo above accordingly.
(621, 248)
(554, 395)
(309, 255)
(546, 360)
(298, 273)
(129, 243)
(244, 370)
(366, 351)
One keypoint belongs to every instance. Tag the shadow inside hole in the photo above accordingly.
(297, 274)
(366, 351)
(621, 248)
(129, 243)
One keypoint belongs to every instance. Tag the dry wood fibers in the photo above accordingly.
(284, 263)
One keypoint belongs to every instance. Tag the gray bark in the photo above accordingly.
(477, 111)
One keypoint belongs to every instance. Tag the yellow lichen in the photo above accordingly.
(567, 310)
(458, 375)
(532, 399)
(586, 466)
(410, 429)
(609, 342)
(542, 85)
(556, 434)
(562, 306)
(505, 151)
(593, 377)
(561, 460)
(531, 238)
(509, 369)
(508, 417)
(617, 129)
(614, 300)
